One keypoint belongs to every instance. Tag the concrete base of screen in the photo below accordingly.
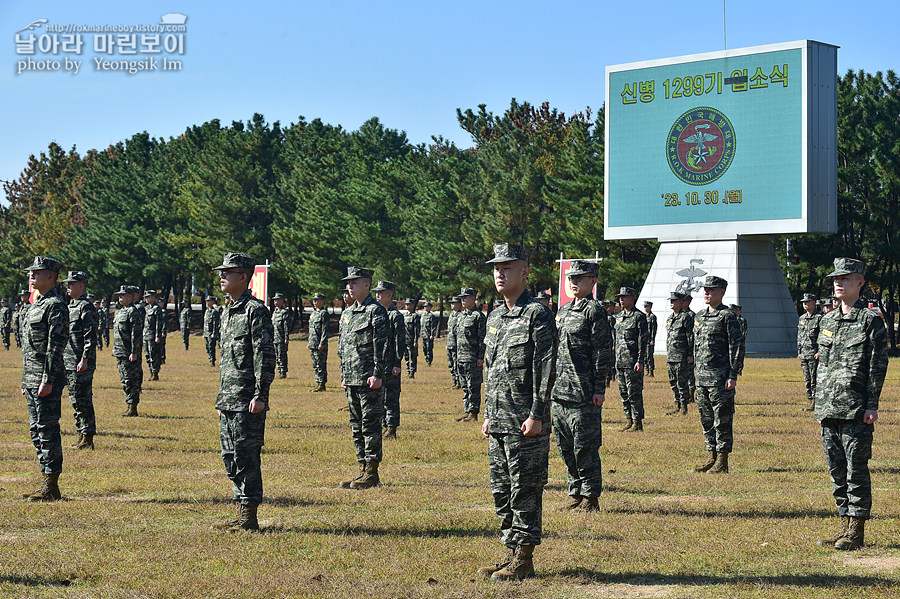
(755, 281)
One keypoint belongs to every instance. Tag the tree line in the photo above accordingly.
(313, 198)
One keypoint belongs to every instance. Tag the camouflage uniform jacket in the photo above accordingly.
(103, 318)
(743, 324)
(632, 338)
(520, 366)
(612, 331)
(6, 314)
(82, 342)
(852, 363)
(141, 313)
(211, 322)
(452, 322)
(652, 326)
(717, 345)
(470, 334)
(318, 324)
(184, 318)
(281, 321)
(247, 365)
(396, 339)
(584, 352)
(154, 323)
(808, 335)
(413, 326)
(679, 337)
(45, 329)
(363, 342)
(127, 330)
(430, 322)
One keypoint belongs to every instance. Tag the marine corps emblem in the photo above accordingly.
(700, 146)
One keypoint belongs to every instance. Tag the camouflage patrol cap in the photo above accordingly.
(5, 300)
(648, 304)
(675, 296)
(428, 305)
(357, 272)
(847, 266)
(236, 260)
(76, 276)
(542, 295)
(384, 286)
(713, 281)
(90, 296)
(149, 292)
(467, 291)
(45, 263)
(410, 300)
(582, 267)
(24, 292)
(455, 299)
(318, 296)
(129, 289)
(210, 298)
(607, 303)
(278, 295)
(627, 291)
(735, 307)
(808, 297)
(507, 252)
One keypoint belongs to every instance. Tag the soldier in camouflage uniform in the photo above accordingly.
(583, 358)
(679, 352)
(430, 322)
(688, 298)
(610, 307)
(717, 345)
(396, 341)
(543, 298)
(246, 372)
(127, 337)
(45, 330)
(470, 333)
(519, 361)
(413, 330)
(362, 350)
(19, 315)
(80, 358)
(455, 309)
(736, 308)
(852, 366)
(102, 323)
(281, 320)
(632, 347)
(154, 332)
(808, 347)
(652, 327)
(184, 323)
(211, 320)
(6, 315)
(318, 341)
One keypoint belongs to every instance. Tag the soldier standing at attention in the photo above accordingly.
(688, 298)
(543, 298)
(632, 346)
(520, 371)
(679, 352)
(127, 336)
(45, 330)
(584, 354)
(6, 317)
(102, 323)
(362, 350)
(452, 319)
(184, 323)
(717, 346)
(246, 373)
(470, 333)
(154, 330)
(430, 323)
(413, 330)
(211, 328)
(652, 327)
(396, 341)
(853, 362)
(610, 307)
(808, 347)
(824, 305)
(20, 308)
(281, 321)
(736, 308)
(318, 341)
(80, 358)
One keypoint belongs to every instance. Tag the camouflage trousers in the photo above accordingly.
(716, 408)
(6, 332)
(281, 357)
(809, 377)
(81, 395)
(451, 364)
(366, 412)
(319, 364)
(650, 366)
(211, 349)
(100, 339)
(741, 352)
(18, 337)
(579, 435)
(470, 378)
(428, 349)
(243, 436)
(132, 376)
(43, 423)
(106, 336)
(680, 381)
(186, 338)
(848, 448)
(162, 345)
(391, 386)
(518, 474)
(631, 388)
(412, 357)
(154, 354)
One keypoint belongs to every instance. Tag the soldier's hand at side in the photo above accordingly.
(638, 367)
(132, 358)
(23, 391)
(373, 383)
(82, 366)
(730, 384)
(817, 355)
(870, 417)
(690, 360)
(485, 426)
(321, 347)
(799, 356)
(479, 363)
(395, 371)
(257, 406)
(343, 385)
(45, 389)
(599, 398)
(157, 340)
(532, 427)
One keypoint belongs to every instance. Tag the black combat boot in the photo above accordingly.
(710, 460)
(830, 541)
(521, 566)
(854, 537)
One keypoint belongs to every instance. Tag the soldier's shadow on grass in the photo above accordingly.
(281, 501)
(802, 580)
(441, 533)
(35, 581)
(721, 512)
(171, 417)
(120, 435)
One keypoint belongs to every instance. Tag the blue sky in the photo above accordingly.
(410, 63)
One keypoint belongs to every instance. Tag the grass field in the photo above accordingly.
(136, 515)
